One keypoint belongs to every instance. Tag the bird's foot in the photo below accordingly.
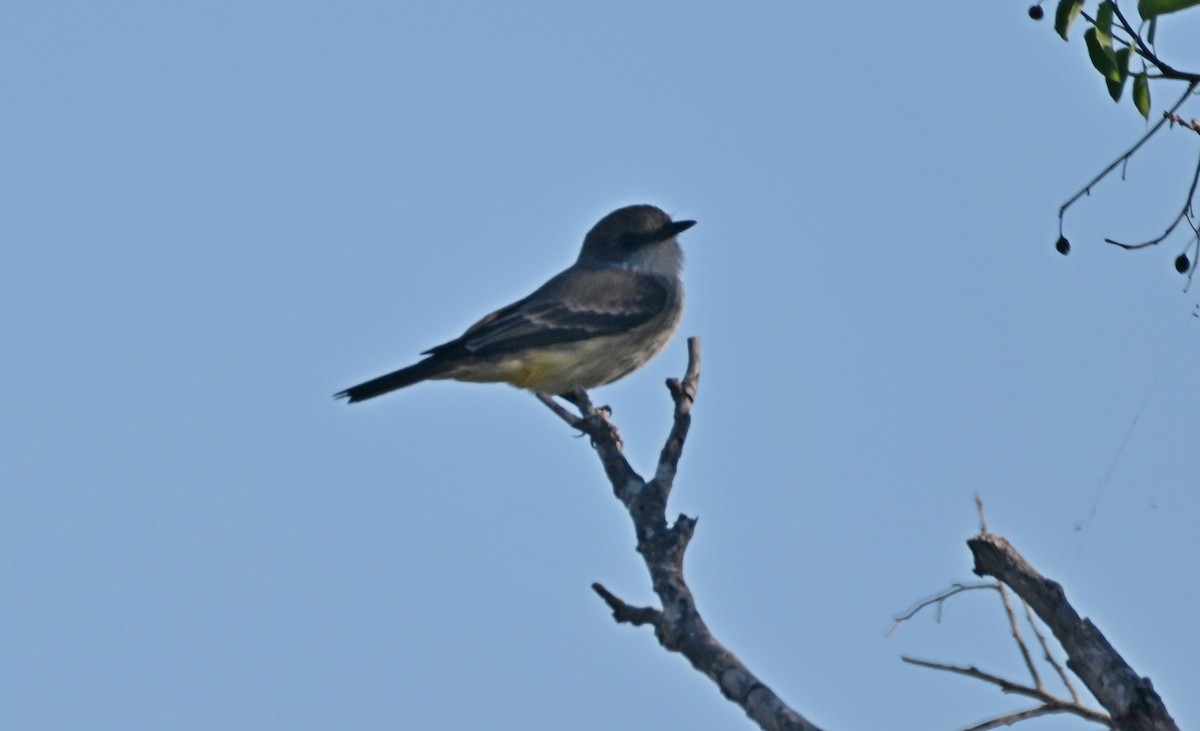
(578, 397)
(583, 402)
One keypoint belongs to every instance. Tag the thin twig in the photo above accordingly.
(1043, 710)
(1014, 626)
(1049, 656)
(1087, 189)
(1193, 125)
(937, 599)
(1143, 50)
(1016, 635)
(973, 672)
(1194, 243)
(683, 394)
(982, 517)
(625, 613)
(1061, 705)
(1184, 214)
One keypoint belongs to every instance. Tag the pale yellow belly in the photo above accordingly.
(563, 368)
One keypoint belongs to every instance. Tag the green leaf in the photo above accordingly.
(1153, 30)
(1115, 87)
(1101, 53)
(1141, 94)
(1065, 14)
(1104, 18)
(1149, 9)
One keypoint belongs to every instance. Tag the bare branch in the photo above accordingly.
(1043, 710)
(605, 438)
(1016, 635)
(1193, 125)
(1050, 703)
(625, 613)
(937, 599)
(683, 394)
(973, 672)
(1124, 157)
(1012, 618)
(677, 625)
(1130, 700)
(1184, 215)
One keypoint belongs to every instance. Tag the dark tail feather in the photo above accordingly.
(428, 368)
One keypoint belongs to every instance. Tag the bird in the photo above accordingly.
(598, 320)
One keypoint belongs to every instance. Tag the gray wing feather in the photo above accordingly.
(575, 305)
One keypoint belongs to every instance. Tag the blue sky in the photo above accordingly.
(215, 217)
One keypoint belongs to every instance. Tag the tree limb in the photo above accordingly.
(677, 625)
(1130, 700)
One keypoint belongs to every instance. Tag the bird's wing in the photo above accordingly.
(575, 305)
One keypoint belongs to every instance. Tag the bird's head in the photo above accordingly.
(639, 237)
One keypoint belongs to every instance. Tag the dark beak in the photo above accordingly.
(674, 228)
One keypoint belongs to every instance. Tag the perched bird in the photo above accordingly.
(598, 320)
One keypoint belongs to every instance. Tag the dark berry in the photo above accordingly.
(1182, 264)
(1062, 246)
(1036, 12)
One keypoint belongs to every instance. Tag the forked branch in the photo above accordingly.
(677, 625)
(1130, 702)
